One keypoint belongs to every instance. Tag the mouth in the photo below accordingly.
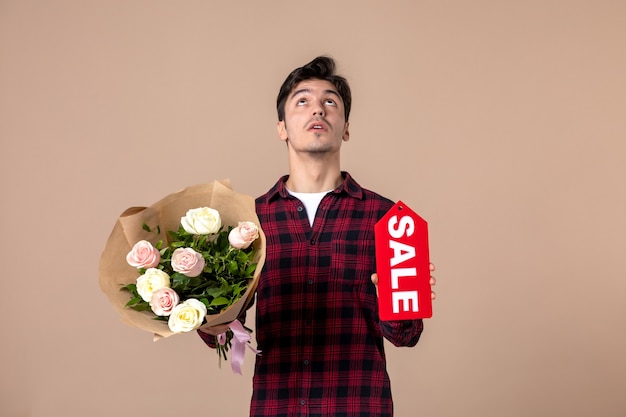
(317, 126)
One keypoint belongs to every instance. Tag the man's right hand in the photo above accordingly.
(215, 330)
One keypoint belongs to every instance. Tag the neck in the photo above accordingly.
(313, 176)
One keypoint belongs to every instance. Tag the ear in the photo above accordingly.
(282, 130)
(346, 132)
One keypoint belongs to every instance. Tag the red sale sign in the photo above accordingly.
(403, 265)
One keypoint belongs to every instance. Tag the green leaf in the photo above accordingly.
(133, 301)
(179, 282)
(220, 301)
(130, 287)
(214, 292)
(250, 270)
(141, 307)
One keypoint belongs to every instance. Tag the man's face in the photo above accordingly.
(314, 118)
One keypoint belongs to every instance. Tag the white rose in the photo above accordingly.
(187, 316)
(201, 221)
(151, 281)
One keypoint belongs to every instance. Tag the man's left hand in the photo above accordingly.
(433, 281)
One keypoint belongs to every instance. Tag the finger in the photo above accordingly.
(432, 266)
(375, 281)
(433, 281)
(433, 295)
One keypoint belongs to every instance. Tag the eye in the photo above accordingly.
(301, 102)
(330, 102)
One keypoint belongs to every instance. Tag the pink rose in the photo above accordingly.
(243, 235)
(143, 255)
(187, 261)
(163, 301)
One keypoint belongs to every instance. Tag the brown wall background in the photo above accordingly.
(501, 122)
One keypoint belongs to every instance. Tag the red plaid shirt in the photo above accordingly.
(316, 309)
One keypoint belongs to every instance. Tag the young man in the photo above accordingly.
(316, 308)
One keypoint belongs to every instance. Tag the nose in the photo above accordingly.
(318, 111)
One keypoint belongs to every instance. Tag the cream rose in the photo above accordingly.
(151, 281)
(187, 261)
(163, 301)
(143, 255)
(201, 221)
(243, 235)
(187, 316)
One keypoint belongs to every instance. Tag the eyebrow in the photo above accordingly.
(307, 91)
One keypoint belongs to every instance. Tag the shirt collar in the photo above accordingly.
(348, 186)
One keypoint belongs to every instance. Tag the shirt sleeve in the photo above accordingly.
(402, 332)
(211, 340)
(208, 339)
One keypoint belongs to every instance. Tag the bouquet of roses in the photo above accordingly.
(204, 269)
(202, 272)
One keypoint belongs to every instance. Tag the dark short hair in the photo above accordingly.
(321, 68)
